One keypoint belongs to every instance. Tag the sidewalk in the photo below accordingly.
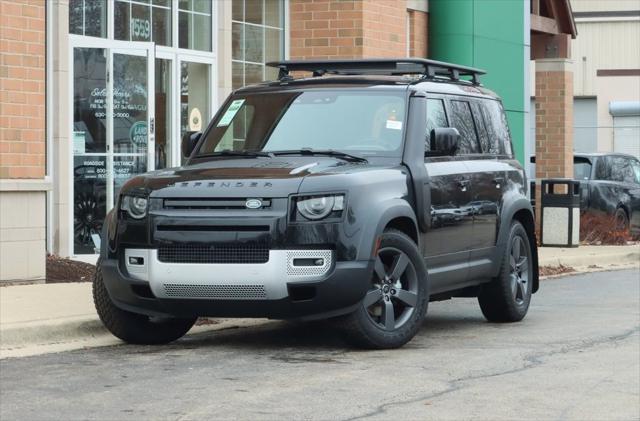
(56, 317)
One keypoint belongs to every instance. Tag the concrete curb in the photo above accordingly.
(38, 338)
(600, 256)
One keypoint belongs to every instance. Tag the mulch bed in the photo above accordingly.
(555, 270)
(66, 270)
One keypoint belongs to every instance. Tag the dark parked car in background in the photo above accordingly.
(610, 184)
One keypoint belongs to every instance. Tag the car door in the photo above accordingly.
(489, 176)
(446, 243)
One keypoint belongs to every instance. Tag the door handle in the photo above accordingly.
(498, 182)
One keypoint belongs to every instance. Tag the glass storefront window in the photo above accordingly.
(194, 97)
(163, 115)
(257, 38)
(135, 21)
(194, 24)
(89, 144)
(88, 17)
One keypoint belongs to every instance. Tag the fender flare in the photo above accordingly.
(512, 207)
(391, 209)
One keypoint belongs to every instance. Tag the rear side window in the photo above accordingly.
(602, 171)
(622, 170)
(498, 137)
(436, 117)
(462, 119)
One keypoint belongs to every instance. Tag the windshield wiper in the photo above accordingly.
(326, 152)
(249, 154)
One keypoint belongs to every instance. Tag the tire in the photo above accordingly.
(506, 298)
(131, 327)
(391, 313)
(621, 221)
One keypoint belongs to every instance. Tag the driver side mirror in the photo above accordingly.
(444, 141)
(189, 142)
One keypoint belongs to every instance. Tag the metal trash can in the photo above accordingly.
(560, 213)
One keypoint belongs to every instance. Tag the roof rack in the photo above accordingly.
(430, 69)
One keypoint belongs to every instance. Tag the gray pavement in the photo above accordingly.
(575, 356)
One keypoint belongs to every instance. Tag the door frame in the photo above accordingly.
(146, 49)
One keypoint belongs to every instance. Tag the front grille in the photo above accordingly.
(230, 292)
(185, 253)
(211, 203)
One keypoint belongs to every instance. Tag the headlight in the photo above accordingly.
(136, 206)
(319, 207)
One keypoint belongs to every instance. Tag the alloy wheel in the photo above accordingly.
(392, 300)
(519, 262)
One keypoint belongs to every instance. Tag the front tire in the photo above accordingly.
(135, 328)
(506, 298)
(393, 310)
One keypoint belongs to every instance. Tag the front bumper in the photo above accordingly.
(279, 289)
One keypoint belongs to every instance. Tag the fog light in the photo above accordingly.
(136, 260)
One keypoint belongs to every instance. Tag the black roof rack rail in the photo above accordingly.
(430, 69)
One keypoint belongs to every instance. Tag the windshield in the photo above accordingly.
(356, 122)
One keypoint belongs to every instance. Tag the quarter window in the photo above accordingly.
(462, 119)
(436, 117)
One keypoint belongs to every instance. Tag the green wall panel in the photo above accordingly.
(488, 34)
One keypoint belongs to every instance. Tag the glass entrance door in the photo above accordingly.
(113, 130)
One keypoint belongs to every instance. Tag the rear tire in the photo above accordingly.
(506, 298)
(393, 310)
(131, 327)
(621, 221)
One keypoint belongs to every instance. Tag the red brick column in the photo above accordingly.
(22, 89)
(325, 29)
(418, 32)
(554, 121)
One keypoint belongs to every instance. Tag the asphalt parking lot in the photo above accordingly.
(575, 356)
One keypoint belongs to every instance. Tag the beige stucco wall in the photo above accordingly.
(603, 45)
(603, 5)
(22, 231)
(613, 88)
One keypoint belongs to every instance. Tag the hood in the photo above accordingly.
(236, 177)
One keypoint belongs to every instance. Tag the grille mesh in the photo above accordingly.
(233, 292)
(184, 253)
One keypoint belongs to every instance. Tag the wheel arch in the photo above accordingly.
(522, 212)
(395, 213)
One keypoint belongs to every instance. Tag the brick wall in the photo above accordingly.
(418, 30)
(325, 29)
(554, 124)
(22, 89)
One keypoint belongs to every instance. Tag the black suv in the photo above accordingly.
(359, 194)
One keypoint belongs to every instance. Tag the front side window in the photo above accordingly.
(462, 119)
(581, 168)
(357, 122)
(436, 117)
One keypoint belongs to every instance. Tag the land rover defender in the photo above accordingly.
(358, 193)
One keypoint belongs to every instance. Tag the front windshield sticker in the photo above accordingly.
(230, 113)
(393, 124)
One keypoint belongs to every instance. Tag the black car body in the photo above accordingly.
(225, 235)
(610, 185)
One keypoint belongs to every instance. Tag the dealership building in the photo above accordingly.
(93, 92)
